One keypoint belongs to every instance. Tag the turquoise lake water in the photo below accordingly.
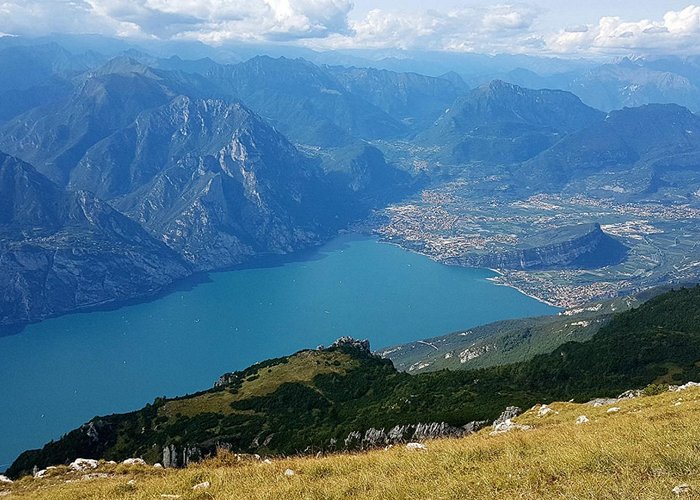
(61, 372)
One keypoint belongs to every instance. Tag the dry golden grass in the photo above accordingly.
(642, 451)
(301, 368)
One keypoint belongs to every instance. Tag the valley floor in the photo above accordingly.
(644, 450)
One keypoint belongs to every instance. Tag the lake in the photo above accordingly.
(61, 372)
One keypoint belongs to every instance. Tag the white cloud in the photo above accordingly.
(487, 29)
(211, 21)
(677, 32)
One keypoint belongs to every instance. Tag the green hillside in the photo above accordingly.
(510, 341)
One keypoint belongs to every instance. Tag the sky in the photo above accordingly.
(538, 27)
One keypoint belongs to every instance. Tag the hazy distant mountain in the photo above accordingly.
(502, 122)
(625, 83)
(630, 84)
(657, 136)
(54, 138)
(61, 251)
(36, 75)
(416, 100)
(305, 102)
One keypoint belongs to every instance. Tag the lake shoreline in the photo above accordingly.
(61, 372)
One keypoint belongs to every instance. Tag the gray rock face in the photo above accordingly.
(589, 246)
(174, 456)
(61, 251)
(509, 413)
(346, 341)
(373, 438)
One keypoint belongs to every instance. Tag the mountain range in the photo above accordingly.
(217, 163)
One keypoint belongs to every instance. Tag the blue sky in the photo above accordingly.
(540, 27)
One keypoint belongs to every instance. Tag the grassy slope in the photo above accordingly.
(643, 451)
(510, 341)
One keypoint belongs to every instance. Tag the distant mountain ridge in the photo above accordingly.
(211, 183)
(504, 123)
(664, 137)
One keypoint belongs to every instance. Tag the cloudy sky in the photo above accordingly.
(559, 27)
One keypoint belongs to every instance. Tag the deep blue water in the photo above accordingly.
(61, 372)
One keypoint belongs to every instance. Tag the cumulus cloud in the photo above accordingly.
(211, 21)
(676, 32)
(488, 29)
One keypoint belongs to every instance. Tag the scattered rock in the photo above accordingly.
(508, 414)
(81, 464)
(131, 482)
(94, 475)
(111, 462)
(289, 473)
(41, 473)
(5, 479)
(683, 387)
(614, 409)
(157, 465)
(202, 486)
(545, 410)
(582, 419)
(416, 446)
(631, 394)
(602, 402)
(267, 461)
(165, 495)
(681, 489)
(507, 426)
(134, 461)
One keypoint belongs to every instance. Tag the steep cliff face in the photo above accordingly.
(61, 251)
(222, 186)
(580, 246)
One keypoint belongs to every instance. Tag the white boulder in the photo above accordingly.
(582, 419)
(202, 486)
(289, 473)
(5, 479)
(416, 446)
(82, 464)
(134, 461)
(681, 489)
(683, 387)
(544, 411)
(614, 409)
(507, 426)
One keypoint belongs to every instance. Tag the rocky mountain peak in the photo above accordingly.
(347, 341)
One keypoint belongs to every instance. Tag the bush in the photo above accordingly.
(654, 389)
